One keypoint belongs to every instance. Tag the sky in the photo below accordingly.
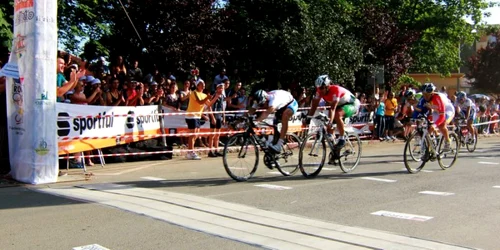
(495, 15)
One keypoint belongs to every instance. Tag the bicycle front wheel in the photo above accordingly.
(312, 155)
(447, 159)
(416, 148)
(288, 160)
(242, 164)
(350, 154)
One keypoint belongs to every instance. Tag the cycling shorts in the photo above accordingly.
(472, 116)
(293, 106)
(448, 116)
(350, 109)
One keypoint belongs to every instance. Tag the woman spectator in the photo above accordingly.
(172, 98)
(115, 96)
(379, 119)
(184, 95)
(118, 69)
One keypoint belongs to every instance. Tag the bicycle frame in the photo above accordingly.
(322, 132)
(423, 129)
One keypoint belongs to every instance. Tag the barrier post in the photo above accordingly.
(162, 125)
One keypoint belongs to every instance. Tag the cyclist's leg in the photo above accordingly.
(290, 110)
(470, 121)
(286, 114)
(346, 111)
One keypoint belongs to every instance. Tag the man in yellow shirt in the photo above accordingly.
(391, 106)
(197, 102)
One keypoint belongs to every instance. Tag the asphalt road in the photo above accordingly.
(181, 204)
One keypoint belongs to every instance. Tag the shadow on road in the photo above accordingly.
(21, 197)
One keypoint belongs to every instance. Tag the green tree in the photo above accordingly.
(6, 21)
(283, 41)
(442, 28)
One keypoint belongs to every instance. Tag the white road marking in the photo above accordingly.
(329, 169)
(484, 157)
(403, 216)
(262, 228)
(274, 172)
(377, 179)
(425, 171)
(276, 187)
(396, 162)
(151, 178)
(436, 193)
(496, 186)
(488, 163)
(91, 247)
(129, 170)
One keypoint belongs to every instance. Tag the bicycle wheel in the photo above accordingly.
(234, 162)
(312, 156)
(472, 144)
(288, 160)
(447, 159)
(350, 154)
(416, 153)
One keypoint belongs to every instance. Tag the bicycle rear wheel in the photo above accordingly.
(312, 155)
(447, 159)
(350, 154)
(472, 144)
(240, 165)
(416, 148)
(288, 160)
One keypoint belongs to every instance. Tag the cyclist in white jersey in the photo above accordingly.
(466, 107)
(279, 101)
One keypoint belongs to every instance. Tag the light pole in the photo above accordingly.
(458, 71)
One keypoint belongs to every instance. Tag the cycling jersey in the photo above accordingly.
(443, 109)
(463, 108)
(337, 93)
(280, 99)
(421, 106)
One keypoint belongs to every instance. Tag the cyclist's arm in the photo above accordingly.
(265, 114)
(314, 105)
(441, 110)
(333, 107)
(468, 112)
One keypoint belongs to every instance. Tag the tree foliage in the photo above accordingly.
(6, 22)
(293, 40)
(281, 41)
(484, 68)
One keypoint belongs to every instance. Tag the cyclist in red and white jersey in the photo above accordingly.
(442, 110)
(342, 102)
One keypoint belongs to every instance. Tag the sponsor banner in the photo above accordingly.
(361, 123)
(91, 122)
(31, 104)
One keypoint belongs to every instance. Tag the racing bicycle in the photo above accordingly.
(421, 147)
(249, 143)
(313, 150)
(465, 137)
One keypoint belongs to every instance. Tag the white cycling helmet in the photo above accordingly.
(323, 80)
